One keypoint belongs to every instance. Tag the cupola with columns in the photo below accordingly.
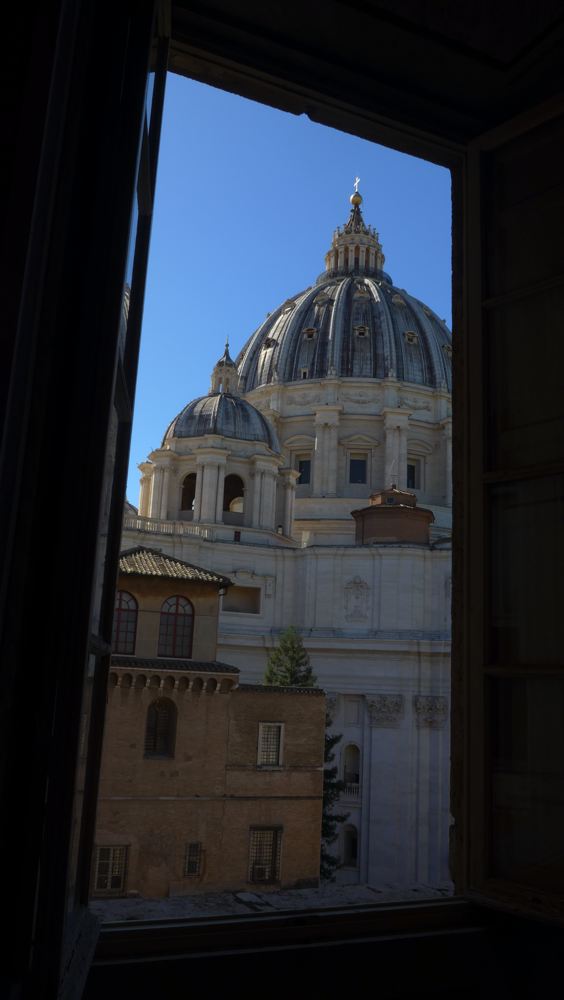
(224, 375)
(356, 247)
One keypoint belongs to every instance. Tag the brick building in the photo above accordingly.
(207, 784)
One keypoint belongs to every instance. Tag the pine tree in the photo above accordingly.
(332, 788)
(287, 666)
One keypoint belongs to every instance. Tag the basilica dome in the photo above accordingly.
(225, 414)
(353, 323)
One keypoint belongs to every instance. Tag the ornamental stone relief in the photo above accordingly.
(430, 711)
(359, 397)
(332, 704)
(302, 400)
(357, 593)
(412, 404)
(386, 710)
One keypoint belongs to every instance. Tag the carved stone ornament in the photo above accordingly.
(412, 404)
(303, 400)
(357, 593)
(332, 704)
(359, 397)
(430, 711)
(386, 710)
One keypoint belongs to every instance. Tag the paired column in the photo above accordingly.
(163, 513)
(198, 492)
(264, 493)
(290, 478)
(145, 488)
(396, 426)
(447, 431)
(402, 476)
(327, 418)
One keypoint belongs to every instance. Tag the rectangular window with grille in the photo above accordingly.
(264, 862)
(109, 872)
(193, 855)
(270, 744)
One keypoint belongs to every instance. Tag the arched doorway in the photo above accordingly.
(233, 499)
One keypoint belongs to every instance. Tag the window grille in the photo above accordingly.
(265, 855)
(270, 744)
(125, 623)
(159, 734)
(193, 855)
(110, 866)
(176, 627)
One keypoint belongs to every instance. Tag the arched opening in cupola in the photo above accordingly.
(233, 499)
(188, 492)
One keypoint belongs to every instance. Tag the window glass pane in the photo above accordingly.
(304, 468)
(527, 531)
(358, 470)
(527, 774)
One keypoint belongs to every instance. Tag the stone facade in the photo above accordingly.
(187, 816)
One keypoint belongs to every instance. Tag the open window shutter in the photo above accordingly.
(512, 677)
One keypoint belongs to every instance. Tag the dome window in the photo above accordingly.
(398, 301)
(304, 373)
(310, 333)
(447, 348)
(288, 305)
(411, 336)
(362, 331)
(269, 342)
(426, 310)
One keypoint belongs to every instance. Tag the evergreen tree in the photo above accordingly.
(288, 666)
(332, 788)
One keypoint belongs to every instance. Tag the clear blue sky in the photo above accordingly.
(246, 203)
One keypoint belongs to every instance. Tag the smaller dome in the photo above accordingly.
(224, 414)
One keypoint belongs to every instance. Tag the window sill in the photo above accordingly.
(144, 938)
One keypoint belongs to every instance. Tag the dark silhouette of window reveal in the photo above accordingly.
(358, 470)
(265, 855)
(233, 493)
(304, 469)
(125, 623)
(176, 628)
(161, 730)
(188, 492)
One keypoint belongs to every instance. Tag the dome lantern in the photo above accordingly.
(224, 375)
(357, 248)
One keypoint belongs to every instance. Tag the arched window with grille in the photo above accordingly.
(160, 731)
(125, 623)
(176, 628)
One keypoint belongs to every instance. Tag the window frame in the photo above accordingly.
(117, 620)
(271, 767)
(192, 616)
(187, 859)
(159, 704)
(277, 830)
(110, 893)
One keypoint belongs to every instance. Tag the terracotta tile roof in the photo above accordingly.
(148, 562)
(166, 663)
